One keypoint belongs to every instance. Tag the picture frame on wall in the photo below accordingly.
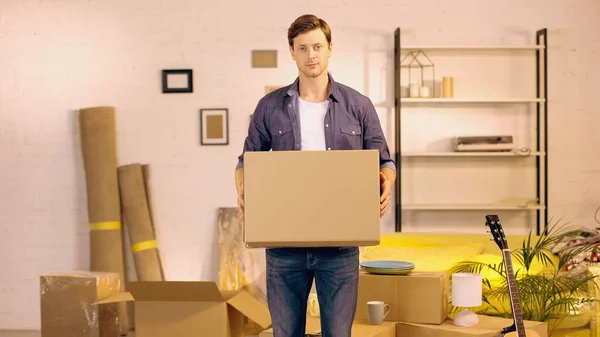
(177, 81)
(214, 126)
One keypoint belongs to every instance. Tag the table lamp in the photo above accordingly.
(466, 293)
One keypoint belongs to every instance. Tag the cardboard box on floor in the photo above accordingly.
(311, 198)
(419, 297)
(359, 329)
(488, 326)
(190, 309)
(67, 304)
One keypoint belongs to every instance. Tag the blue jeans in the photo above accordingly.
(290, 273)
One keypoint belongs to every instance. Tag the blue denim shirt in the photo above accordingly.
(351, 123)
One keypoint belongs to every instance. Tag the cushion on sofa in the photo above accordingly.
(427, 258)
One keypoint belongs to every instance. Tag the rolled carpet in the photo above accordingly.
(99, 153)
(138, 223)
(147, 183)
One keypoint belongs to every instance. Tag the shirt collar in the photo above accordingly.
(334, 91)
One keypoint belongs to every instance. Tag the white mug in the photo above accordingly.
(376, 312)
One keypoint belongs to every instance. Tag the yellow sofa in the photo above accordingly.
(441, 252)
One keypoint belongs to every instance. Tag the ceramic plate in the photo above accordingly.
(388, 271)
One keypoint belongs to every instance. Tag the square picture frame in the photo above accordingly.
(214, 126)
(177, 81)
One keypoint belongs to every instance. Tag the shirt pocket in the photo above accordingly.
(350, 137)
(283, 138)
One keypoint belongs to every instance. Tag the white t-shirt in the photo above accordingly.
(312, 120)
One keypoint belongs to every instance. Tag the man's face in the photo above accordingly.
(311, 52)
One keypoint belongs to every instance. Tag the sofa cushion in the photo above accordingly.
(429, 258)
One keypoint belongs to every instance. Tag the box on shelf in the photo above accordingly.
(66, 304)
(185, 309)
(488, 326)
(419, 297)
(359, 329)
(311, 198)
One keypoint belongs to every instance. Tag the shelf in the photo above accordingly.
(467, 207)
(459, 47)
(471, 154)
(531, 99)
(471, 100)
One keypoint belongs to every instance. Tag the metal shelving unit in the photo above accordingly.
(541, 148)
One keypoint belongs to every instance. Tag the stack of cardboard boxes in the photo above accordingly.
(84, 304)
(296, 198)
(419, 305)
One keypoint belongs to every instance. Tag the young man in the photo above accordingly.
(314, 113)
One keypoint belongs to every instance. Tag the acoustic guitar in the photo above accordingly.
(517, 329)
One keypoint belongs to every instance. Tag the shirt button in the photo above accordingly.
(326, 125)
(328, 148)
(352, 132)
(279, 131)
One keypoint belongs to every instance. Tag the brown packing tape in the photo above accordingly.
(139, 226)
(99, 154)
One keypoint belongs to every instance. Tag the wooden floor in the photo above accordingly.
(4, 333)
(13, 333)
(9, 333)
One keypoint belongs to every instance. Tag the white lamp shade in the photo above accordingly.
(466, 290)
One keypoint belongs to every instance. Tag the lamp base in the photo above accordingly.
(466, 318)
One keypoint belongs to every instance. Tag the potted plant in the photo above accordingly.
(547, 296)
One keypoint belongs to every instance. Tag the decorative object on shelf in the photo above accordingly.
(419, 60)
(387, 267)
(447, 87)
(264, 59)
(177, 81)
(488, 143)
(214, 126)
(414, 90)
(466, 293)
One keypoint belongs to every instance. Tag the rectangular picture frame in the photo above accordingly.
(169, 75)
(214, 126)
(264, 58)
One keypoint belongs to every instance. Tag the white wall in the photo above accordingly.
(59, 56)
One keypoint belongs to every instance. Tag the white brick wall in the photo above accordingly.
(58, 56)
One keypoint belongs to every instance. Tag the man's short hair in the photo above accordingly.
(306, 23)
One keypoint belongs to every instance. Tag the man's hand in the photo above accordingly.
(386, 188)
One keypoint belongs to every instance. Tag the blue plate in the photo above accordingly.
(388, 265)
